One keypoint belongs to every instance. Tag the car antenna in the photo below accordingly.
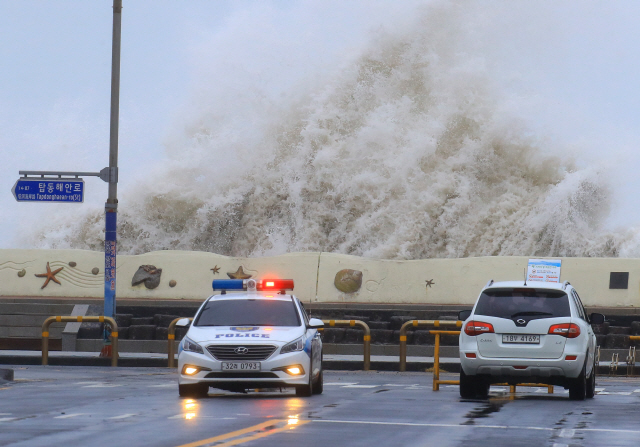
(525, 276)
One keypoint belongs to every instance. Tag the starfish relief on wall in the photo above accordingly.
(50, 275)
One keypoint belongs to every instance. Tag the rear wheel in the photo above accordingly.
(578, 386)
(591, 383)
(467, 386)
(193, 390)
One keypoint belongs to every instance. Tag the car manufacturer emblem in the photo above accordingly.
(241, 350)
(521, 321)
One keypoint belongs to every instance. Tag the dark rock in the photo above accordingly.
(142, 321)
(448, 317)
(142, 332)
(423, 338)
(378, 325)
(356, 317)
(398, 321)
(396, 337)
(600, 340)
(381, 336)
(90, 331)
(162, 333)
(602, 329)
(164, 320)
(619, 330)
(449, 340)
(123, 320)
(635, 328)
(333, 335)
(181, 332)
(147, 274)
(123, 333)
(354, 336)
(616, 341)
(348, 280)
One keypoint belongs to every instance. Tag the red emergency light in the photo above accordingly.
(275, 284)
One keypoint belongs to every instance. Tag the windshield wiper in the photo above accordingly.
(529, 313)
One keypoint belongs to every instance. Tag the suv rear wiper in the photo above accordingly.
(529, 313)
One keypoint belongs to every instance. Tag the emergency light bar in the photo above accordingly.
(252, 284)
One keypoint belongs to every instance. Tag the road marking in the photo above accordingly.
(254, 432)
(166, 385)
(7, 419)
(6, 414)
(600, 389)
(123, 416)
(395, 384)
(361, 386)
(503, 427)
(243, 414)
(618, 393)
(636, 391)
(567, 433)
(67, 416)
(339, 383)
(559, 445)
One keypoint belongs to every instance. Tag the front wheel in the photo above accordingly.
(319, 385)
(591, 383)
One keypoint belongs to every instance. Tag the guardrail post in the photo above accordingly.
(79, 319)
(436, 363)
(171, 336)
(366, 337)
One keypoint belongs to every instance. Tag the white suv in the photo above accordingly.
(528, 333)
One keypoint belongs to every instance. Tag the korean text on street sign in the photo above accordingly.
(547, 270)
(49, 190)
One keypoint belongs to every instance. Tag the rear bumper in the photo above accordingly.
(522, 369)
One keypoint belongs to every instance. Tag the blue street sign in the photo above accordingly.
(49, 190)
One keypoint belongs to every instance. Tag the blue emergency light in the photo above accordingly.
(252, 284)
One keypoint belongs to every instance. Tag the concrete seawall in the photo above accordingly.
(188, 275)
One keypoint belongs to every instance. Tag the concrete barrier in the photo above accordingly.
(188, 275)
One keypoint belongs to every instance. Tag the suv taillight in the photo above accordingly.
(568, 330)
(477, 327)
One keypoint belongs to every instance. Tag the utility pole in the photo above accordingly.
(111, 206)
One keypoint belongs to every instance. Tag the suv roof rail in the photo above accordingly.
(564, 286)
(489, 283)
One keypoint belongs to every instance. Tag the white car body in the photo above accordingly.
(504, 355)
(237, 345)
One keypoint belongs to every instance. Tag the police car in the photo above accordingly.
(258, 337)
(528, 333)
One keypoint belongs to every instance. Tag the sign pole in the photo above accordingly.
(111, 206)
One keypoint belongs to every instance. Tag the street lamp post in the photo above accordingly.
(111, 206)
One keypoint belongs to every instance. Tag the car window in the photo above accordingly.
(578, 307)
(581, 306)
(255, 312)
(512, 303)
(305, 315)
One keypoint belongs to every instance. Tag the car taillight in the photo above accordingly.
(568, 330)
(477, 327)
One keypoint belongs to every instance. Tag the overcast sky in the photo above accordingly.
(575, 65)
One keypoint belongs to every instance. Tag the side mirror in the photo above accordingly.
(464, 314)
(315, 323)
(596, 318)
(182, 322)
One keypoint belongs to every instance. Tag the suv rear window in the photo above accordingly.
(533, 303)
(255, 312)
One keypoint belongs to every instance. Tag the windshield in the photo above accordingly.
(514, 303)
(256, 312)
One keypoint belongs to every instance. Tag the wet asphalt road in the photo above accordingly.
(93, 406)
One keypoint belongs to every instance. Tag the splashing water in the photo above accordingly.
(401, 154)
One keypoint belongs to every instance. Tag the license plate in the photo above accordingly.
(520, 338)
(241, 366)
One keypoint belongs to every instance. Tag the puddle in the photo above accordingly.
(484, 411)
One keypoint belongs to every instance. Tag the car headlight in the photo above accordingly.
(190, 345)
(296, 345)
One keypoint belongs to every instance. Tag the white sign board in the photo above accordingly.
(546, 270)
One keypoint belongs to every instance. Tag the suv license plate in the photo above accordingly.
(521, 338)
(244, 366)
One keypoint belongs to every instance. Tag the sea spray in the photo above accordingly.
(403, 153)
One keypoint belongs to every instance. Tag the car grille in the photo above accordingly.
(227, 352)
